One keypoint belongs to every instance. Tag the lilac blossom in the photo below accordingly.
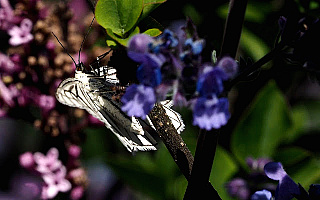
(6, 15)
(26, 160)
(47, 163)
(7, 65)
(55, 182)
(46, 102)
(21, 35)
(6, 94)
(138, 100)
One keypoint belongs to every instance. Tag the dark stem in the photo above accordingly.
(233, 27)
(256, 66)
(202, 165)
(207, 141)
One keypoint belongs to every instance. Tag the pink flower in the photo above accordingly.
(76, 193)
(74, 151)
(46, 102)
(6, 94)
(21, 35)
(55, 182)
(6, 15)
(26, 160)
(48, 163)
(7, 65)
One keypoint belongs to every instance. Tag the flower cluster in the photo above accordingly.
(56, 176)
(32, 63)
(243, 187)
(287, 189)
(172, 64)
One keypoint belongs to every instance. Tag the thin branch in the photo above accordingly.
(175, 145)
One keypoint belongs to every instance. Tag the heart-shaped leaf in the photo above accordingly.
(118, 15)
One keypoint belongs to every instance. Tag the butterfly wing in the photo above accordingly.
(74, 93)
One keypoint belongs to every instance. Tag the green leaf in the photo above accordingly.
(263, 127)
(253, 45)
(118, 15)
(153, 32)
(307, 173)
(122, 41)
(224, 167)
(291, 155)
(255, 12)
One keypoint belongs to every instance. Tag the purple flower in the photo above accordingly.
(257, 164)
(211, 82)
(7, 65)
(262, 195)
(55, 182)
(21, 35)
(46, 102)
(138, 100)
(77, 193)
(26, 160)
(138, 47)
(47, 163)
(287, 188)
(6, 15)
(196, 46)
(238, 188)
(229, 66)
(165, 41)
(211, 112)
(7, 95)
(149, 75)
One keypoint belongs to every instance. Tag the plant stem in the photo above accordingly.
(233, 27)
(175, 145)
(207, 141)
(204, 156)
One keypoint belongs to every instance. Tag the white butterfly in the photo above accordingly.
(94, 93)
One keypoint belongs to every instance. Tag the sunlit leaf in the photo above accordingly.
(119, 16)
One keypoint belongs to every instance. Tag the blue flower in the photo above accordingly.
(211, 112)
(138, 47)
(262, 195)
(196, 46)
(138, 100)
(164, 42)
(286, 188)
(149, 75)
(229, 66)
(211, 82)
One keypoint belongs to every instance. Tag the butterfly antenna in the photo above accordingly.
(85, 37)
(64, 48)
